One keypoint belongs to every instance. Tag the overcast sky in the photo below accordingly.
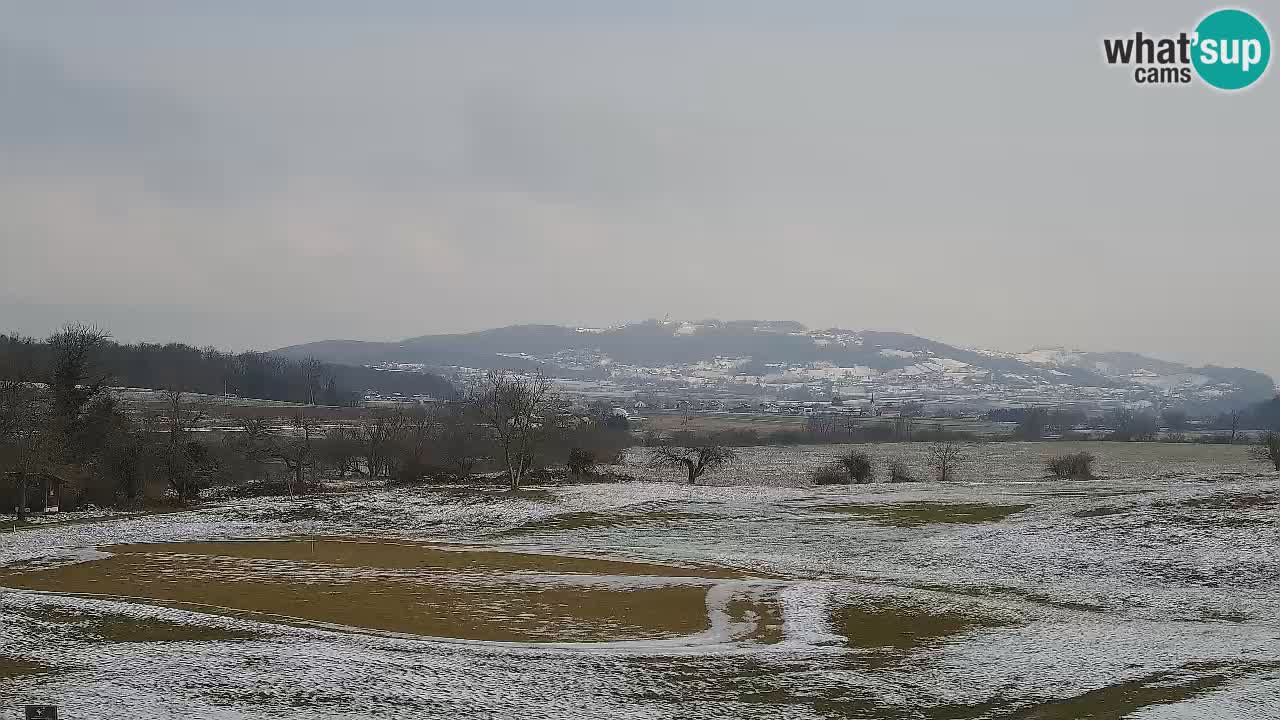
(256, 174)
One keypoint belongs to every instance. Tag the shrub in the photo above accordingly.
(899, 471)
(419, 473)
(1268, 449)
(581, 461)
(259, 488)
(832, 474)
(1071, 466)
(858, 465)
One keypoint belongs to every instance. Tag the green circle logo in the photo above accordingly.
(1232, 49)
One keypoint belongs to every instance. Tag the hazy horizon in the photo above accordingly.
(252, 177)
(40, 333)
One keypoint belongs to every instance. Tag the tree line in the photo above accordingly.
(63, 433)
(257, 375)
(67, 439)
(516, 426)
(1127, 424)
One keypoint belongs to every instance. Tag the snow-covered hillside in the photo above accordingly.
(782, 359)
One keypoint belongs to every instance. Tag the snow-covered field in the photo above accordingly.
(1150, 594)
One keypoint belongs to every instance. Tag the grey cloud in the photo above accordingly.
(986, 182)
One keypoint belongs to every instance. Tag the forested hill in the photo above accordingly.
(206, 370)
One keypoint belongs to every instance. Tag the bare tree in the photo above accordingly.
(313, 374)
(339, 450)
(26, 445)
(1268, 449)
(376, 433)
(695, 460)
(417, 441)
(76, 377)
(83, 436)
(1233, 418)
(462, 443)
(178, 415)
(944, 460)
(183, 458)
(297, 451)
(686, 412)
(124, 458)
(517, 410)
(1128, 425)
(253, 447)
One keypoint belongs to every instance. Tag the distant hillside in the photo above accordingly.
(204, 370)
(764, 352)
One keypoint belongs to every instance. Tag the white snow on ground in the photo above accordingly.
(827, 372)
(1050, 356)
(54, 518)
(1155, 572)
(887, 352)
(1169, 383)
(936, 365)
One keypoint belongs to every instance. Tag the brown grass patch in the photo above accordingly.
(409, 588)
(765, 616)
(15, 667)
(394, 555)
(916, 514)
(904, 628)
(588, 520)
(1123, 699)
